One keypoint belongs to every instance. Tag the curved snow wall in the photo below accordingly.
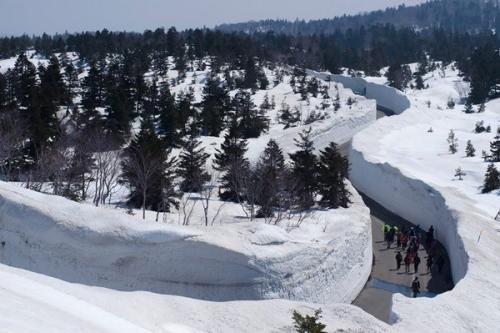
(414, 201)
(386, 97)
(82, 244)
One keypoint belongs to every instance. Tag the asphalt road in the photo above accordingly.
(385, 280)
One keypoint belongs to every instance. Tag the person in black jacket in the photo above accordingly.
(399, 259)
(415, 287)
(416, 262)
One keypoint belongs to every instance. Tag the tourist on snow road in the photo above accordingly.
(399, 259)
(416, 262)
(415, 287)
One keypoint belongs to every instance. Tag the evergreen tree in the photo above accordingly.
(251, 75)
(271, 175)
(92, 97)
(308, 324)
(452, 142)
(470, 151)
(169, 118)
(495, 147)
(332, 173)
(303, 170)
(419, 82)
(491, 179)
(469, 108)
(230, 160)
(399, 76)
(119, 109)
(24, 77)
(215, 105)
(459, 173)
(72, 83)
(191, 166)
(252, 122)
(148, 171)
(53, 82)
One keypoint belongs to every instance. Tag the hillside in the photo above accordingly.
(451, 15)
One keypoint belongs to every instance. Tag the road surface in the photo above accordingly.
(385, 280)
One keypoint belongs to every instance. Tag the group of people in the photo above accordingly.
(409, 240)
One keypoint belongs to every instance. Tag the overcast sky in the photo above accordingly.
(51, 16)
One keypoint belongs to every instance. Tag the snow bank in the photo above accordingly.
(406, 184)
(327, 259)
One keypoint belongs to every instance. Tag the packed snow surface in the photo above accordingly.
(404, 165)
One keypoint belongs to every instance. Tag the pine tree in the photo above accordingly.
(230, 160)
(252, 122)
(470, 151)
(419, 82)
(332, 173)
(452, 142)
(251, 75)
(469, 108)
(459, 173)
(169, 118)
(495, 147)
(52, 79)
(72, 83)
(24, 77)
(119, 109)
(147, 170)
(491, 179)
(308, 324)
(191, 166)
(271, 175)
(215, 105)
(303, 170)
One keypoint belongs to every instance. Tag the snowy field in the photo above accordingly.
(406, 167)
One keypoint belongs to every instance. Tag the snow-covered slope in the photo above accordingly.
(101, 252)
(408, 169)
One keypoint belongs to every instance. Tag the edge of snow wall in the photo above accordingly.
(386, 97)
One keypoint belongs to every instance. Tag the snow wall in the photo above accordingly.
(471, 238)
(386, 97)
(82, 244)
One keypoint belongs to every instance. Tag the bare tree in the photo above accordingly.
(186, 208)
(206, 195)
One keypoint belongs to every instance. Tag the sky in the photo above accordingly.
(57, 16)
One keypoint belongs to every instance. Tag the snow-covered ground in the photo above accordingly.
(408, 169)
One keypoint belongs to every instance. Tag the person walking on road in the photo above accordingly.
(430, 261)
(415, 287)
(416, 262)
(399, 259)
(407, 263)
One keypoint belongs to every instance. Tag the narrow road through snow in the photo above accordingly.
(385, 279)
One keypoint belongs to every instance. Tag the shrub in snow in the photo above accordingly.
(308, 324)
(470, 151)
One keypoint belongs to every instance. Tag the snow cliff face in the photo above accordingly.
(328, 259)
(405, 182)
